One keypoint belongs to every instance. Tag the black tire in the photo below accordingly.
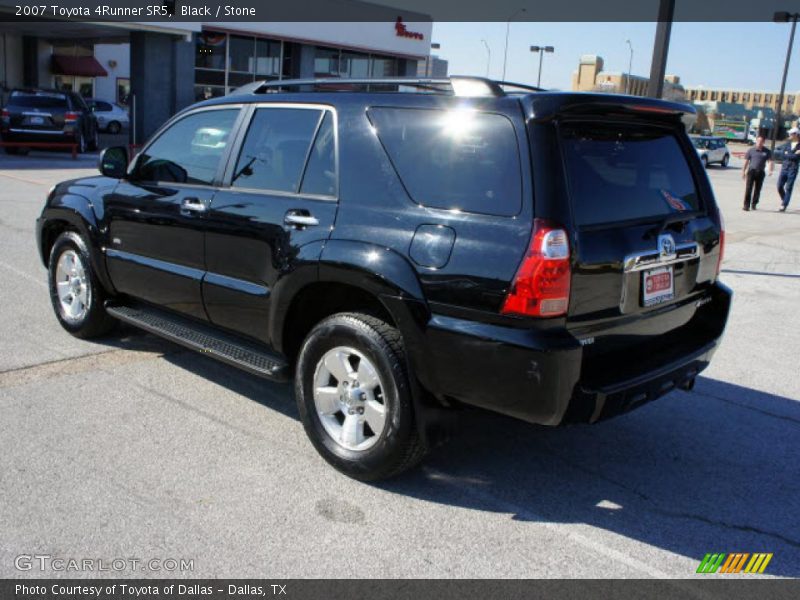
(95, 322)
(12, 150)
(80, 141)
(114, 127)
(705, 162)
(725, 160)
(94, 143)
(398, 447)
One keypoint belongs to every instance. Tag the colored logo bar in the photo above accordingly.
(735, 562)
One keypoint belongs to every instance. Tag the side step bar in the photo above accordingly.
(224, 347)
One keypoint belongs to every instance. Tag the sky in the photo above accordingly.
(734, 55)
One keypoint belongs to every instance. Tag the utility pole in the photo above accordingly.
(508, 29)
(658, 68)
(488, 57)
(630, 69)
(783, 17)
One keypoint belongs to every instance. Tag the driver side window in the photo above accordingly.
(190, 150)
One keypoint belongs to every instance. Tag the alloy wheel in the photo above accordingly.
(349, 398)
(72, 286)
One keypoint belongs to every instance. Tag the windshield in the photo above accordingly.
(619, 173)
(699, 143)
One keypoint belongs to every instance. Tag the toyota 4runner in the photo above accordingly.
(403, 247)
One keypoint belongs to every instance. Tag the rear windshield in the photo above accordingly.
(454, 159)
(37, 100)
(619, 174)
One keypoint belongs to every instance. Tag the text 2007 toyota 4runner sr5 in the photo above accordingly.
(399, 247)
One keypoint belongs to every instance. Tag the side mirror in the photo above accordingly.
(114, 162)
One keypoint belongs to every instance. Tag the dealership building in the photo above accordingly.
(159, 69)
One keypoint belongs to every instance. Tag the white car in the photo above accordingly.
(711, 150)
(111, 118)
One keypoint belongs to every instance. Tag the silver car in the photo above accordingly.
(112, 118)
(711, 150)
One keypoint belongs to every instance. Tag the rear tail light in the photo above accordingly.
(721, 244)
(541, 285)
(5, 116)
(71, 117)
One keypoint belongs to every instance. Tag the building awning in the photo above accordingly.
(82, 66)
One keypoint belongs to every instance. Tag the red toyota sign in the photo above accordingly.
(402, 31)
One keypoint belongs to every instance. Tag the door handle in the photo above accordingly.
(194, 205)
(297, 219)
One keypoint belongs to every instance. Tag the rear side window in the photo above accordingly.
(38, 100)
(453, 159)
(320, 176)
(618, 174)
(275, 149)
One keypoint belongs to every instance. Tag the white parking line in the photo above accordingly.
(24, 275)
(33, 181)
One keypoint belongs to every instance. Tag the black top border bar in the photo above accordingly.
(168, 12)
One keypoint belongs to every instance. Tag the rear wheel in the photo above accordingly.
(354, 397)
(725, 160)
(75, 293)
(113, 127)
(94, 144)
(80, 141)
(705, 161)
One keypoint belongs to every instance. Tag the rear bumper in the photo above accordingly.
(42, 135)
(550, 377)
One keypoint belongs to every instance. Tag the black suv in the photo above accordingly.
(403, 247)
(48, 116)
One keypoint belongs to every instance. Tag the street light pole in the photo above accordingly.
(488, 57)
(541, 50)
(508, 29)
(783, 17)
(630, 69)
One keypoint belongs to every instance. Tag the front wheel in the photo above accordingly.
(354, 397)
(113, 127)
(725, 160)
(705, 162)
(75, 293)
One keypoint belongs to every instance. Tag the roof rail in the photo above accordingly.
(455, 85)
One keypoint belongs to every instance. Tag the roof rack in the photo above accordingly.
(455, 85)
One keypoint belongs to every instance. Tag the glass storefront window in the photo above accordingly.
(210, 50)
(123, 91)
(204, 92)
(326, 62)
(241, 54)
(268, 58)
(83, 85)
(354, 65)
(384, 66)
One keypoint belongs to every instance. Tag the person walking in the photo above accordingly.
(791, 157)
(754, 171)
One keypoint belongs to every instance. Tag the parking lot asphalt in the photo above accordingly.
(131, 447)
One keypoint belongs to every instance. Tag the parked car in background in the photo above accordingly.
(712, 150)
(112, 118)
(37, 115)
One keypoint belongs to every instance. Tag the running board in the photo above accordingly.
(225, 347)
